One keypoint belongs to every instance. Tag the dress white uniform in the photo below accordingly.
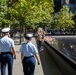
(29, 50)
(6, 45)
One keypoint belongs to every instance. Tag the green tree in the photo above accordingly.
(34, 11)
(30, 13)
(74, 18)
(26, 13)
(63, 19)
(3, 13)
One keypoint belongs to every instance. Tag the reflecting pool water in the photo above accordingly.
(65, 45)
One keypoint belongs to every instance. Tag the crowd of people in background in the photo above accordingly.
(64, 32)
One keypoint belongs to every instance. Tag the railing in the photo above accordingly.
(66, 64)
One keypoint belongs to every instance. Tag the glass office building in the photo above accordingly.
(71, 4)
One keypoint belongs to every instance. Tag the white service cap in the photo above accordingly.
(28, 36)
(5, 29)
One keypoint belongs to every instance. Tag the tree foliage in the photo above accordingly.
(34, 11)
(63, 19)
(3, 13)
(26, 12)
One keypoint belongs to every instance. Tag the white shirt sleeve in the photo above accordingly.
(12, 43)
(21, 49)
(35, 49)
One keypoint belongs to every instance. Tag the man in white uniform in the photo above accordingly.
(28, 54)
(8, 52)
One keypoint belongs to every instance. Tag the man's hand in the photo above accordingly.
(38, 62)
(14, 57)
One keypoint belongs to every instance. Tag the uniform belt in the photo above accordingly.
(28, 56)
(6, 52)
